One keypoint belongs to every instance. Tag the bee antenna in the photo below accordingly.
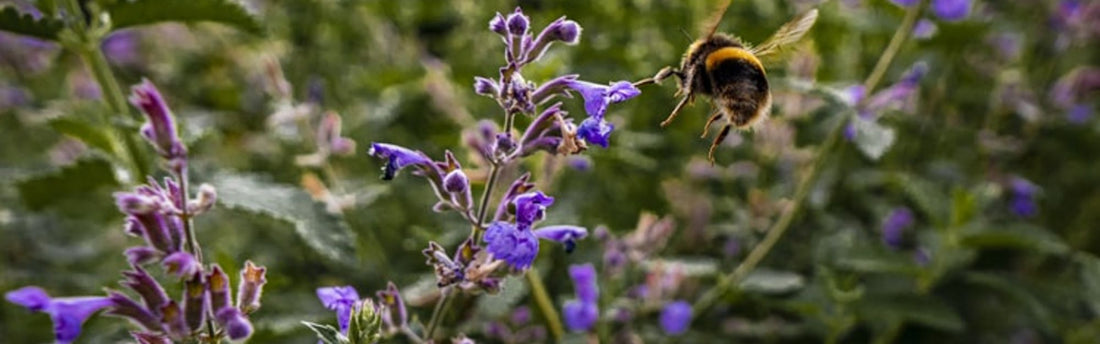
(686, 34)
(712, 25)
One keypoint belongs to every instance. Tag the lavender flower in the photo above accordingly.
(67, 313)
(181, 264)
(160, 130)
(518, 247)
(567, 235)
(531, 207)
(342, 300)
(597, 97)
(397, 158)
(1023, 198)
(581, 314)
(676, 318)
(892, 229)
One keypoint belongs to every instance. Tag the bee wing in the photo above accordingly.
(788, 33)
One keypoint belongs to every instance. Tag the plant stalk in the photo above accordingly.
(546, 306)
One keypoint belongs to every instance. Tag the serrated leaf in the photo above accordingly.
(326, 333)
(499, 305)
(143, 12)
(1016, 292)
(1016, 236)
(924, 310)
(767, 281)
(88, 133)
(74, 180)
(872, 139)
(323, 232)
(25, 24)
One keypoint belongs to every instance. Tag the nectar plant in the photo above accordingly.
(506, 240)
(161, 213)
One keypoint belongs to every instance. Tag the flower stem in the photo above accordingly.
(546, 306)
(803, 189)
(441, 308)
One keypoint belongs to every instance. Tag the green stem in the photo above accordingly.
(441, 308)
(804, 186)
(546, 306)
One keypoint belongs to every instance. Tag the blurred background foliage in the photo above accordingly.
(971, 269)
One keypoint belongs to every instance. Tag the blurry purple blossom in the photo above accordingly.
(236, 325)
(924, 29)
(67, 313)
(121, 47)
(342, 300)
(899, 96)
(581, 314)
(946, 10)
(1023, 197)
(160, 129)
(894, 226)
(676, 318)
(395, 315)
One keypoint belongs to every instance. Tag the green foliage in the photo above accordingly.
(325, 233)
(24, 24)
(327, 333)
(77, 180)
(128, 13)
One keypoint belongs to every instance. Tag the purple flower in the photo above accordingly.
(951, 10)
(925, 29)
(456, 182)
(676, 318)
(486, 86)
(892, 229)
(150, 291)
(342, 300)
(236, 325)
(597, 97)
(251, 287)
(596, 131)
(395, 315)
(517, 22)
(580, 316)
(566, 31)
(517, 247)
(121, 47)
(498, 24)
(584, 282)
(1023, 198)
(182, 264)
(1079, 114)
(67, 313)
(160, 129)
(567, 235)
(218, 283)
(531, 207)
(397, 158)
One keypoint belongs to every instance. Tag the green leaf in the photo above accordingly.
(143, 12)
(765, 281)
(924, 310)
(1015, 292)
(88, 133)
(875, 260)
(24, 24)
(871, 138)
(925, 195)
(1015, 236)
(326, 333)
(501, 304)
(1090, 279)
(325, 233)
(688, 267)
(75, 180)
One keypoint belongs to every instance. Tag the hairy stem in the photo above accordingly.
(806, 183)
(546, 306)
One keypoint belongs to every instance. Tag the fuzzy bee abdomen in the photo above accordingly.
(737, 83)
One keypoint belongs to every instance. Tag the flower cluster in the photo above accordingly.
(159, 213)
(366, 319)
(581, 314)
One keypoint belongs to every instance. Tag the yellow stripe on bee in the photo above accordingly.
(732, 53)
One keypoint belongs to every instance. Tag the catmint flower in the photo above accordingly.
(597, 97)
(160, 130)
(141, 255)
(150, 291)
(250, 287)
(581, 314)
(946, 10)
(518, 22)
(236, 325)
(218, 285)
(397, 158)
(67, 313)
(181, 264)
(122, 306)
(499, 24)
(676, 318)
(596, 130)
(456, 182)
(924, 29)
(567, 235)
(342, 300)
(518, 247)
(894, 226)
(486, 86)
(565, 31)
(531, 207)
(1023, 198)
(194, 305)
(395, 314)
(173, 321)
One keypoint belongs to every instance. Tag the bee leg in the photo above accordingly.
(706, 128)
(675, 111)
(661, 75)
(718, 140)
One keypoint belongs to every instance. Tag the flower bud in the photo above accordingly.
(124, 307)
(236, 325)
(498, 24)
(456, 182)
(194, 305)
(486, 86)
(141, 255)
(394, 305)
(251, 287)
(204, 201)
(218, 284)
(135, 204)
(150, 291)
(182, 264)
(518, 22)
(173, 321)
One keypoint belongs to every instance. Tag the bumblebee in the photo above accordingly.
(729, 71)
